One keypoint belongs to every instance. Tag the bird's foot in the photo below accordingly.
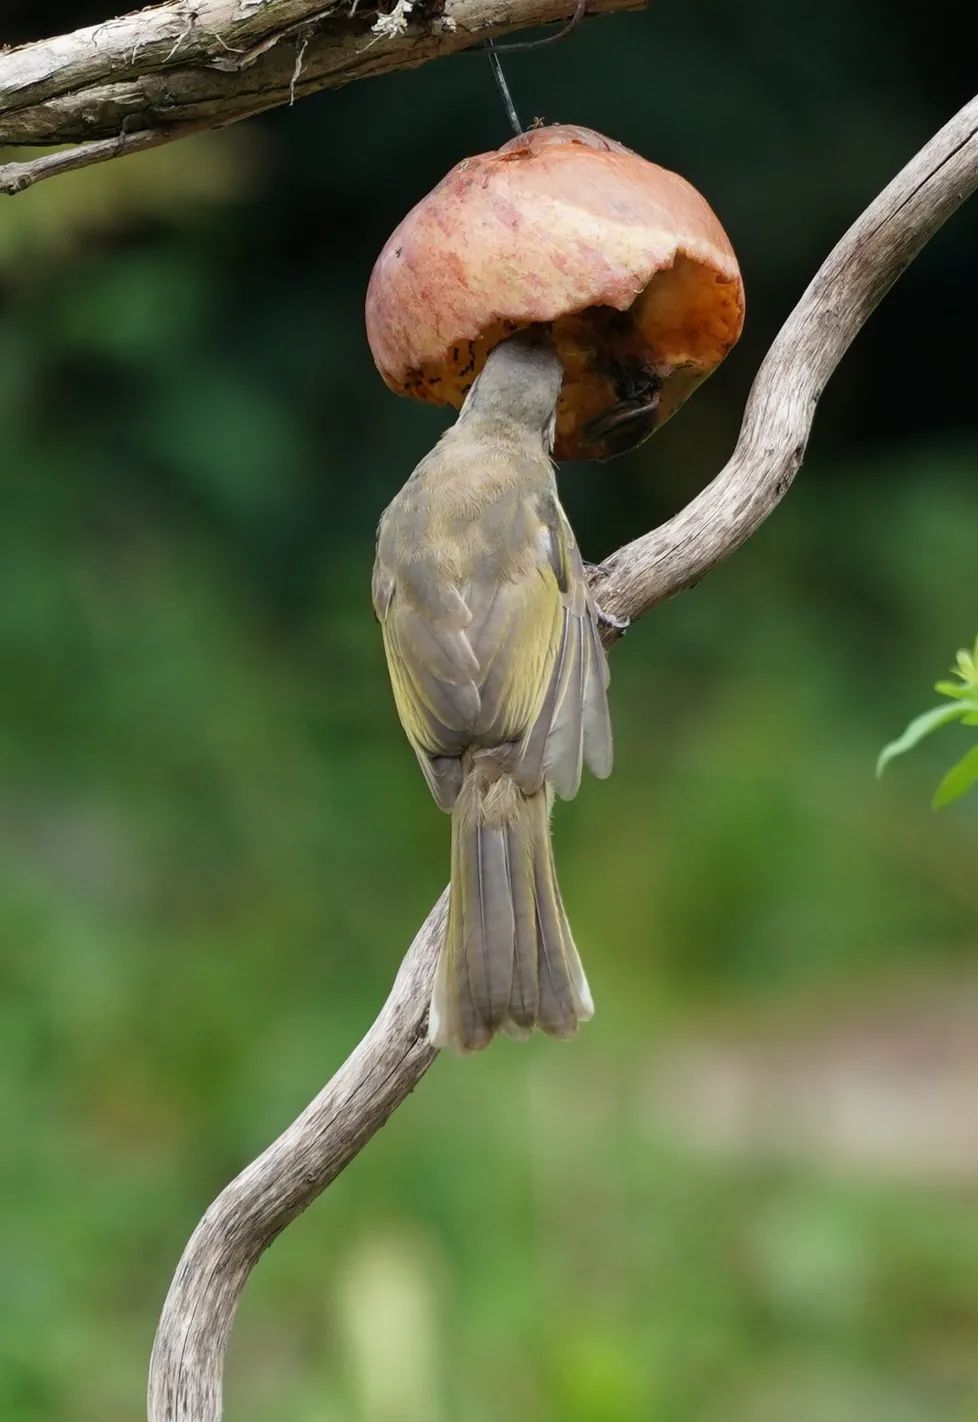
(608, 619)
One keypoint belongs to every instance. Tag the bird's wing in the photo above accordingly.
(511, 661)
(514, 633)
(471, 665)
(433, 676)
(573, 727)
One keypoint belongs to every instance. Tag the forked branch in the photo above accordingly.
(188, 1357)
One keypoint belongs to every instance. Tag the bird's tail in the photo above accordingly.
(508, 961)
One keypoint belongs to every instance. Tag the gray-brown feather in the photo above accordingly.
(509, 959)
(500, 680)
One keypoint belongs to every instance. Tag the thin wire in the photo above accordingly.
(503, 87)
(562, 33)
(493, 51)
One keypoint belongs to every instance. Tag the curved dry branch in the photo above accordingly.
(187, 1367)
(171, 70)
(187, 1363)
(845, 291)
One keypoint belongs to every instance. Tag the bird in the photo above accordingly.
(500, 679)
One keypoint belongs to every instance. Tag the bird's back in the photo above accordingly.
(467, 594)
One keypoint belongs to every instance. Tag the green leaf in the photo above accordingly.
(920, 727)
(959, 779)
(966, 667)
(954, 688)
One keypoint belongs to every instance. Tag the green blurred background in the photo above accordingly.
(748, 1192)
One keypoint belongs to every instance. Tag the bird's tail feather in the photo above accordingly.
(508, 962)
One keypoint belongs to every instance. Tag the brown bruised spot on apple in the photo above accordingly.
(624, 262)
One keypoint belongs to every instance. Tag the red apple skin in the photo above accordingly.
(624, 261)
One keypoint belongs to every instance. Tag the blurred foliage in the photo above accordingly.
(962, 706)
(214, 844)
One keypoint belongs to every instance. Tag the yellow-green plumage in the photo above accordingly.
(500, 681)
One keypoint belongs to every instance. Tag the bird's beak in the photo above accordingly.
(624, 426)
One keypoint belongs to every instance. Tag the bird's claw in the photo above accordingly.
(617, 624)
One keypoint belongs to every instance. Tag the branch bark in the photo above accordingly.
(162, 73)
(187, 1363)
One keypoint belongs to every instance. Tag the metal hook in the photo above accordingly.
(562, 33)
(493, 51)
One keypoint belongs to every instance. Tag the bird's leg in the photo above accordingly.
(608, 619)
(605, 619)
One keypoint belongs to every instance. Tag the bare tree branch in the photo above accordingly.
(188, 1356)
(16, 177)
(845, 291)
(158, 74)
(187, 1363)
